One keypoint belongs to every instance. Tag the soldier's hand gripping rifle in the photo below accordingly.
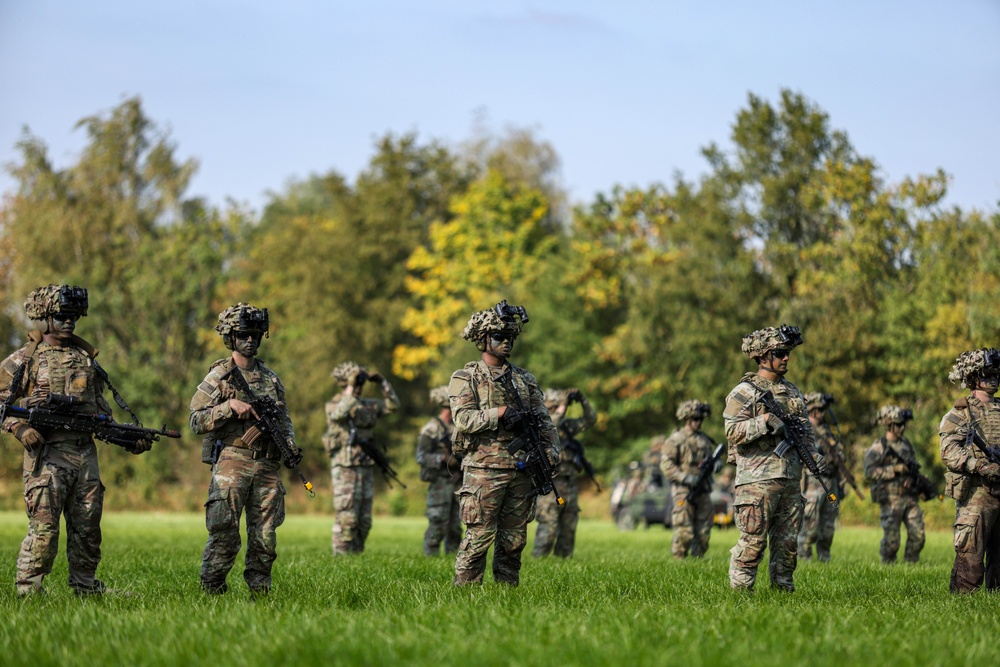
(377, 456)
(536, 461)
(579, 458)
(795, 438)
(270, 417)
(920, 483)
(56, 412)
(841, 465)
(704, 482)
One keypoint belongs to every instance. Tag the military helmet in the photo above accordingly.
(439, 396)
(893, 414)
(693, 409)
(44, 302)
(762, 341)
(554, 397)
(818, 401)
(502, 318)
(973, 363)
(342, 373)
(242, 317)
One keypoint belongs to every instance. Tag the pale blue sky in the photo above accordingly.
(627, 92)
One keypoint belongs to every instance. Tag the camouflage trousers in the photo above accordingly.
(768, 510)
(901, 510)
(444, 523)
(691, 522)
(68, 483)
(556, 531)
(353, 492)
(495, 508)
(819, 521)
(977, 543)
(240, 484)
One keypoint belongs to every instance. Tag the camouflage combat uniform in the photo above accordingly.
(68, 480)
(767, 504)
(556, 532)
(443, 520)
(819, 517)
(692, 515)
(495, 498)
(351, 470)
(243, 478)
(899, 503)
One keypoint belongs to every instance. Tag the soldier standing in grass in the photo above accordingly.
(496, 496)
(61, 473)
(886, 467)
(768, 505)
(245, 465)
(350, 422)
(819, 517)
(683, 452)
(442, 469)
(968, 432)
(556, 532)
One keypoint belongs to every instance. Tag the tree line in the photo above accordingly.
(639, 297)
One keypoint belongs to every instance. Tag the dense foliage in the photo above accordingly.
(638, 297)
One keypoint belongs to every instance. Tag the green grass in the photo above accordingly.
(620, 601)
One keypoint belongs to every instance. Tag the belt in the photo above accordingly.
(255, 454)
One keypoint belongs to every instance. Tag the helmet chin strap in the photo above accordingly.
(772, 370)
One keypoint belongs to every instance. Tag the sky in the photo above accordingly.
(626, 92)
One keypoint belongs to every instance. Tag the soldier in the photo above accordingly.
(819, 517)
(557, 523)
(682, 455)
(245, 465)
(624, 490)
(497, 498)
(443, 470)
(886, 467)
(61, 474)
(350, 422)
(973, 477)
(767, 504)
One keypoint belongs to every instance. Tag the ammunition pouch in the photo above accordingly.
(462, 443)
(957, 486)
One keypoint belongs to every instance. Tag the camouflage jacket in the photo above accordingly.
(476, 397)
(52, 369)
(570, 463)
(213, 417)
(961, 456)
(346, 412)
(833, 452)
(683, 453)
(879, 462)
(433, 449)
(752, 440)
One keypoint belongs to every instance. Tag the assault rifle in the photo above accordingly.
(56, 412)
(845, 474)
(269, 424)
(377, 456)
(921, 484)
(795, 437)
(579, 458)
(705, 470)
(536, 460)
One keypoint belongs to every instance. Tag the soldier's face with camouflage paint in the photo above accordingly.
(988, 382)
(694, 423)
(247, 342)
(62, 326)
(500, 344)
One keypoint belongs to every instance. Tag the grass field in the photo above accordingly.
(620, 601)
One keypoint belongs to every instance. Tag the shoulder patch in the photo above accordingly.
(962, 403)
(220, 362)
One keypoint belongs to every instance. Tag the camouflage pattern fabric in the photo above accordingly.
(444, 524)
(766, 511)
(556, 532)
(767, 501)
(241, 483)
(495, 506)
(819, 517)
(977, 495)
(692, 515)
(899, 503)
(69, 481)
(350, 468)
(243, 479)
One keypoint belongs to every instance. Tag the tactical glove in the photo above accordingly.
(690, 481)
(376, 378)
(29, 437)
(511, 418)
(822, 465)
(296, 458)
(140, 446)
(775, 425)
